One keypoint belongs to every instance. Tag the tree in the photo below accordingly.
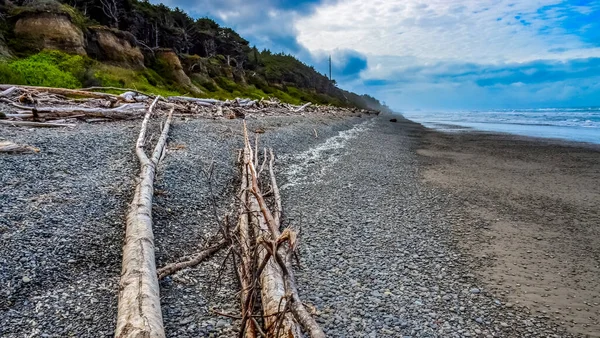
(112, 11)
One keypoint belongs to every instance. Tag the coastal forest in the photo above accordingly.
(151, 48)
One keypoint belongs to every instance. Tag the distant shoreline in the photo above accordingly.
(578, 126)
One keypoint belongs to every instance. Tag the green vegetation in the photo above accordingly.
(217, 60)
(58, 69)
(48, 68)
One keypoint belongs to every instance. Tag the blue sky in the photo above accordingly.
(437, 54)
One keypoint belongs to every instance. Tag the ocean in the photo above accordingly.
(573, 124)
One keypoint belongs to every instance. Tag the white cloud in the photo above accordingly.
(422, 32)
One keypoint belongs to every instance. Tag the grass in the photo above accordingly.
(48, 68)
(52, 68)
(143, 80)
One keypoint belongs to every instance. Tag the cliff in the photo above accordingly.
(130, 42)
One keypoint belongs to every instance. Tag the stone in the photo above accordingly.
(38, 31)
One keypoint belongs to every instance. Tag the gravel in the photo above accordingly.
(184, 214)
(61, 217)
(376, 253)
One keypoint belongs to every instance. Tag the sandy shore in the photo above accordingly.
(530, 217)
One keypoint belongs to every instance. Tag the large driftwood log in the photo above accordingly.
(271, 280)
(139, 313)
(283, 311)
(8, 91)
(126, 111)
(200, 102)
(246, 243)
(66, 92)
(91, 89)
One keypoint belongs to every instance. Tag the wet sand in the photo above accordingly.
(528, 215)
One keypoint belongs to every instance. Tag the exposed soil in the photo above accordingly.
(531, 216)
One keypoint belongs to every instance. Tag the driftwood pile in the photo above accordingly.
(46, 107)
(264, 252)
(262, 248)
(269, 302)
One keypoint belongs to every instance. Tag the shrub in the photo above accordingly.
(48, 68)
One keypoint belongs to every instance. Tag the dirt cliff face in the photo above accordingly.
(170, 66)
(49, 31)
(114, 46)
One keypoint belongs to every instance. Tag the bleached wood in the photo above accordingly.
(301, 108)
(126, 111)
(139, 313)
(200, 102)
(246, 265)
(67, 92)
(199, 258)
(11, 147)
(272, 285)
(8, 91)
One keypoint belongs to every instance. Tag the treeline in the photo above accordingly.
(157, 26)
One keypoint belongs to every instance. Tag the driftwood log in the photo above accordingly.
(66, 92)
(11, 147)
(139, 313)
(283, 313)
(200, 257)
(126, 111)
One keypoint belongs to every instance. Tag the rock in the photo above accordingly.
(115, 46)
(43, 30)
(26, 279)
(393, 120)
(172, 69)
(475, 291)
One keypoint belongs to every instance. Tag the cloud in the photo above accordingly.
(467, 53)
(265, 23)
(481, 31)
(455, 85)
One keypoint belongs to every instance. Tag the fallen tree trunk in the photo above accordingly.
(67, 92)
(301, 108)
(139, 313)
(11, 147)
(36, 124)
(200, 102)
(8, 91)
(125, 111)
(271, 280)
(247, 245)
(18, 115)
(90, 89)
(283, 311)
(279, 322)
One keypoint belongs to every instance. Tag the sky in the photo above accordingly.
(436, 54)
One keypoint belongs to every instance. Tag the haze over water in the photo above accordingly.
(573, 124)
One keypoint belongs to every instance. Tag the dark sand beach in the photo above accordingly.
(530, 217)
